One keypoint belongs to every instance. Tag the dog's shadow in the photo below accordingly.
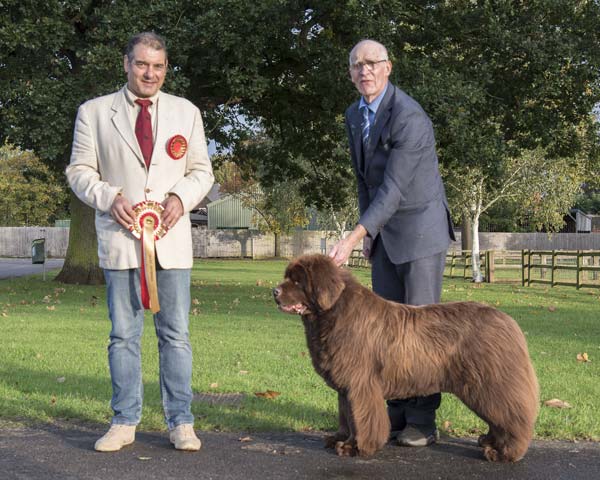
(459, 447)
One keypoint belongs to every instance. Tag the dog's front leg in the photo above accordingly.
(371, 424)
(345, 428)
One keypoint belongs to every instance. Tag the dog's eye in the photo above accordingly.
(297, 283)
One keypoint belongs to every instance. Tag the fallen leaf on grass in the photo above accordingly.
(259, 283)
(583, 357)
(61, 379)
(551, 308)
(51, 307)
(4, 314)
(243, 372)
(195, 301)
(446, 425)
(269, 394)
(214, 385)
(557, 403)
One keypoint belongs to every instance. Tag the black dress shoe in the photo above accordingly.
(418, 435)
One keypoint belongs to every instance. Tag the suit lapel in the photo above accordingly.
(355, 126)
(165, 119)
(122, 123)
(381, 117)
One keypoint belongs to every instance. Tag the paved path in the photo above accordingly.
(19, 267)
(66, 452)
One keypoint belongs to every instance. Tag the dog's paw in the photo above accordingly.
(346, 449)
(366, 452)
(332, 440)
(491, 454)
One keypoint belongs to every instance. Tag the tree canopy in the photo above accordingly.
(494, 75)
(29, 193)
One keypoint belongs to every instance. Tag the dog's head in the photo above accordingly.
(312, 284)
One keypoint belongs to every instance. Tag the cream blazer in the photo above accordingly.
(106, 159)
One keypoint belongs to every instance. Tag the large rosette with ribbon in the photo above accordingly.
(148, 228)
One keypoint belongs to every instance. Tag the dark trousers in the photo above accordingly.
(414, 283)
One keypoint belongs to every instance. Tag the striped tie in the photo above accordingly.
(365, 125)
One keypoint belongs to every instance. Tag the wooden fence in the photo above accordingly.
(544, 266)
(580, 269)
(577, 268)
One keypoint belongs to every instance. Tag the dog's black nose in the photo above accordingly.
(276, 292)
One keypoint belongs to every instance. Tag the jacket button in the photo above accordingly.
(148, 190)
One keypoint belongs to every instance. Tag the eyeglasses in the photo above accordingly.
(369, 65)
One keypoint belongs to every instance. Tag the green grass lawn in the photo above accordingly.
(53, 360)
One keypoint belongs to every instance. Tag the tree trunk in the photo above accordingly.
(466, 239)
(477, 276)
(81, 261)
(277, 245)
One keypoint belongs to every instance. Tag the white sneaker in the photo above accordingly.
(116, 438)
(184, 438)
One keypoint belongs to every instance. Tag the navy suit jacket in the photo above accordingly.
(400, 191)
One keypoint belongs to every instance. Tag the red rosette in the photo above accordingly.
(177, 146)
(141, 211)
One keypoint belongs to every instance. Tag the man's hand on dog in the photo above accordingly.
(342, 250)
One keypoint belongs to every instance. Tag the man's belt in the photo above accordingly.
(148, 228)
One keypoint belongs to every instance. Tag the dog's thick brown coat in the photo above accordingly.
(369, 349)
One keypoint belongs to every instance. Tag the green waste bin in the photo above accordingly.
(38, 250)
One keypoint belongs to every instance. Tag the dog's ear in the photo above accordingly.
(325, 279)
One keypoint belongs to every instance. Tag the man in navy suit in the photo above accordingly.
(404, 220)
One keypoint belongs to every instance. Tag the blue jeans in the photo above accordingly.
(175, 353)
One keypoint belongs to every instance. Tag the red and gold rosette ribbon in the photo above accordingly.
(177, 146)
(148, 228)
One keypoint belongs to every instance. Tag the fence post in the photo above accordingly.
(553, 268)
(523, 267)
(490, 265)
(529, 253)
(579, 272)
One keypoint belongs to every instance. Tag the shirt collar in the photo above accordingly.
(374, 105)
(131, 97)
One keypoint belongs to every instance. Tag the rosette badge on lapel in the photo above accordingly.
(148, 228)
(176, 147)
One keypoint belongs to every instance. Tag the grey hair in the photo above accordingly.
(150, 39)
(367, 40)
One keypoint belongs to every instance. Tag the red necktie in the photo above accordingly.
(143, 130)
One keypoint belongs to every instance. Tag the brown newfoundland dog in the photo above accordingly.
(369, 349)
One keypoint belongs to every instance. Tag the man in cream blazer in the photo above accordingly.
(108, 172)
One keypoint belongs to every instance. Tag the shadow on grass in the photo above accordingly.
(46, 399)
